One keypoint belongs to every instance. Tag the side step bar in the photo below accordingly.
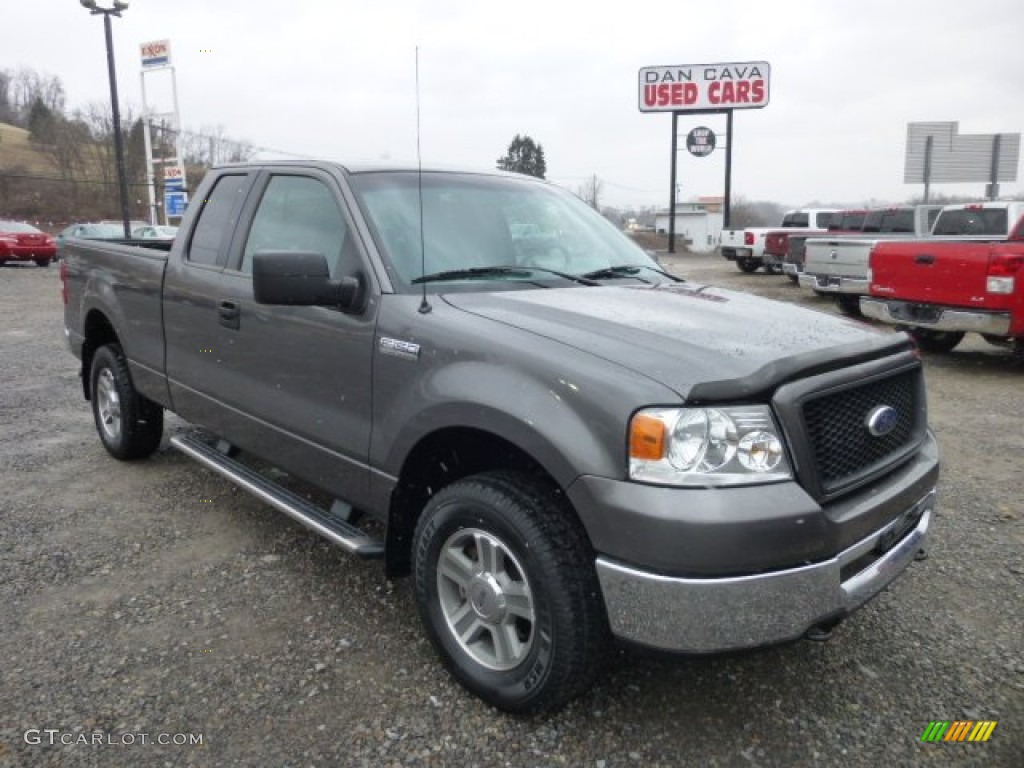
(345, 535)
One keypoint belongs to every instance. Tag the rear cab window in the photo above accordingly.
(216, 222)
(972, 221)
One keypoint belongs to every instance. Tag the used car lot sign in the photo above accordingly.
(691, 87)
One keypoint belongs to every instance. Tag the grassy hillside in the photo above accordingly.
(17, 152)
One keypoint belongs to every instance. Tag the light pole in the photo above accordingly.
(122, 181)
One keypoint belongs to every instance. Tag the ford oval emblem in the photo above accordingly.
(882, 420)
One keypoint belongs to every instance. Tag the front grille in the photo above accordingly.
(843, 449)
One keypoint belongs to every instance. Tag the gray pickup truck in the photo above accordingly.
(499, 394)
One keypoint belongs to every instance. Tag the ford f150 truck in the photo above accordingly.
(940, 290)
(509, 401)
(839, 266)
(746, 246)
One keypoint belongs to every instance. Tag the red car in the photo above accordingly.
(23, 242)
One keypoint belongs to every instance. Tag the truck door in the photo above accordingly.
(297, 380)
(189, 299)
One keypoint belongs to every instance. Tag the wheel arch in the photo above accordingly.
(98, 331)
(438, 459)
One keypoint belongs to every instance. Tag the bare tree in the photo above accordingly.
(590, 192)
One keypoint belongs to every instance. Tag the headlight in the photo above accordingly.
(728, 445)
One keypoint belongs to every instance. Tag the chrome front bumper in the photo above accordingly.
(940, 319)
(709, 615)
(834, 284)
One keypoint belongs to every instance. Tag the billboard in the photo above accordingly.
(156, 53)
(692, 87)
(959, 157)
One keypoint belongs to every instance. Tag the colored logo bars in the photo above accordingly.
(958, 730)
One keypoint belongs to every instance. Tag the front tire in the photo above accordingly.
(505, 584)
(938, 342)
(129, 425)
(42, 262)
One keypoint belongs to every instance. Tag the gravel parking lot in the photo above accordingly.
(154, 602)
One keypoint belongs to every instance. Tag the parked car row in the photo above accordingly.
(938, 272)
(21, 241)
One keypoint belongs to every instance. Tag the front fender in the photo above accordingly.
(548, 418)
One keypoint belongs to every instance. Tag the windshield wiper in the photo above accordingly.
(627, 270)
(511, 271)
(460, 274)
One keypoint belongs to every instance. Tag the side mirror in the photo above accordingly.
(302, 279)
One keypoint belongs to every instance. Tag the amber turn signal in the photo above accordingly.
(646, 437)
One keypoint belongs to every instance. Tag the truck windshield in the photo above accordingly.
(477, 221)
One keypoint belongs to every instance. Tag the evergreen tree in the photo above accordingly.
(524, 156)
(41, 122)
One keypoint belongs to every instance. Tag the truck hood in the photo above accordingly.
(703, 342)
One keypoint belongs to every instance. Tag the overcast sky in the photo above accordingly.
(336, 79)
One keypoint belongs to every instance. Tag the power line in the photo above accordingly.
(31, 177)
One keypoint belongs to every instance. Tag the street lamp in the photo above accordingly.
(122, 182)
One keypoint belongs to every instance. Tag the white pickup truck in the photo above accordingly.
(839, 265)
(746, 246)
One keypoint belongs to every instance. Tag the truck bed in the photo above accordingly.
(944, 272)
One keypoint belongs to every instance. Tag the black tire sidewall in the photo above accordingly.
(510, 690)
(849, 304)
(106, 358)
(141, 419)
(937, 342)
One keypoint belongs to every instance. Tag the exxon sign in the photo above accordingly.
(692, 87)
(156, 53)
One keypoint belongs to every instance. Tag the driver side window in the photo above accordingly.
(299, 213)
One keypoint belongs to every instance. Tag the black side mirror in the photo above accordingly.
(302, 279)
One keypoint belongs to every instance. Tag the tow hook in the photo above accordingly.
(821, 633)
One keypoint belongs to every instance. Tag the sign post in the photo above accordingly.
(155, 57)
(703, 89)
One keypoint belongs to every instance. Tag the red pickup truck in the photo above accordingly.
(940, 290)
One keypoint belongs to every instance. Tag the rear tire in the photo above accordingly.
(794, 279)
(748, 265)
(505, 584)
(938, 342)
(129, 425)
(42, 262)
(849, 304)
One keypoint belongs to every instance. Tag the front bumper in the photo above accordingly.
(936, 318)
(834, 284)
(791, 268)
(721, 614)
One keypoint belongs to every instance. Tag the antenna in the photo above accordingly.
(424, 304)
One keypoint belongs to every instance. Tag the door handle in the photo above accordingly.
(229, 314)
(924, 258)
